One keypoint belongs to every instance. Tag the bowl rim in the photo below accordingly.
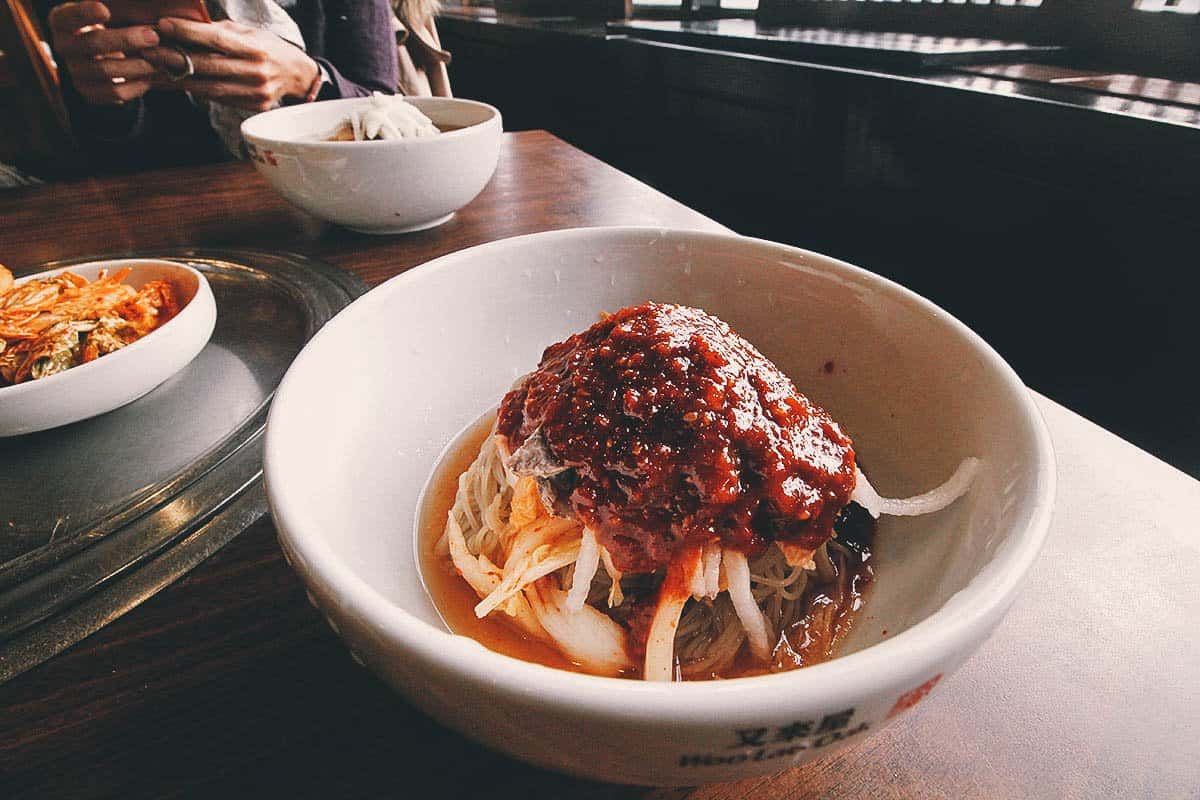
(935, 644)
(260, 140)
(191, 309)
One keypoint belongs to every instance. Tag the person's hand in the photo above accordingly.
(104, 63)
(235, 64)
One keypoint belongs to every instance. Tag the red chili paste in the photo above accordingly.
(674, 428)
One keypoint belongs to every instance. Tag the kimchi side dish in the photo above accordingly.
(52, 324)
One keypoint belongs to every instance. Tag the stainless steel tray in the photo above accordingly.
(99, 515)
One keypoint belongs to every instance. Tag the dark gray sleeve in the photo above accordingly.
(357, 46)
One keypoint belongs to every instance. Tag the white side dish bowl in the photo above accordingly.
(390, 186)
(118, 378)
(369, 405)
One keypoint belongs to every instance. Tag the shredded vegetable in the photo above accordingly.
(934, 500)
(52, 324)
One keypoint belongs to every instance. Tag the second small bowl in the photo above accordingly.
(391, 186)
(121, 377)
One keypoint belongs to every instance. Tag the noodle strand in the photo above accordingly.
(737, 573)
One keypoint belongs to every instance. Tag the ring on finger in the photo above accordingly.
(189, 68)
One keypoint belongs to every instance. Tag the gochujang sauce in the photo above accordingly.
(660, 424)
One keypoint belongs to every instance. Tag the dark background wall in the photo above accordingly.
(1064, 235)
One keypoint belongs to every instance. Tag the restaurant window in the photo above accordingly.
(697, 8)
(1176, 6)
(997, 3)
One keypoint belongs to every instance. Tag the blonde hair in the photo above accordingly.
(416, 9)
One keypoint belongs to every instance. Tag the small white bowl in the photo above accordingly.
(121, 377)
(364, 412)
(394, 186)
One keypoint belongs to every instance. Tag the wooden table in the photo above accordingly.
(227, 683)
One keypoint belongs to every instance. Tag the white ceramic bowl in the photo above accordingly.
(392, 186)
(364, 412)
(118, 378)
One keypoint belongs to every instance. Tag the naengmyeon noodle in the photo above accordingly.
(550, 577)
(657, 497)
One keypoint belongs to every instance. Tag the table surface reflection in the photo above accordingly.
(227, 683)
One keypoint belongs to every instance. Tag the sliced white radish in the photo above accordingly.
(586, 636)
(712, 570)
(694, 567)
(660, 644)
(737, 575)
(615, 595)
(934, 500)
(585, 570)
